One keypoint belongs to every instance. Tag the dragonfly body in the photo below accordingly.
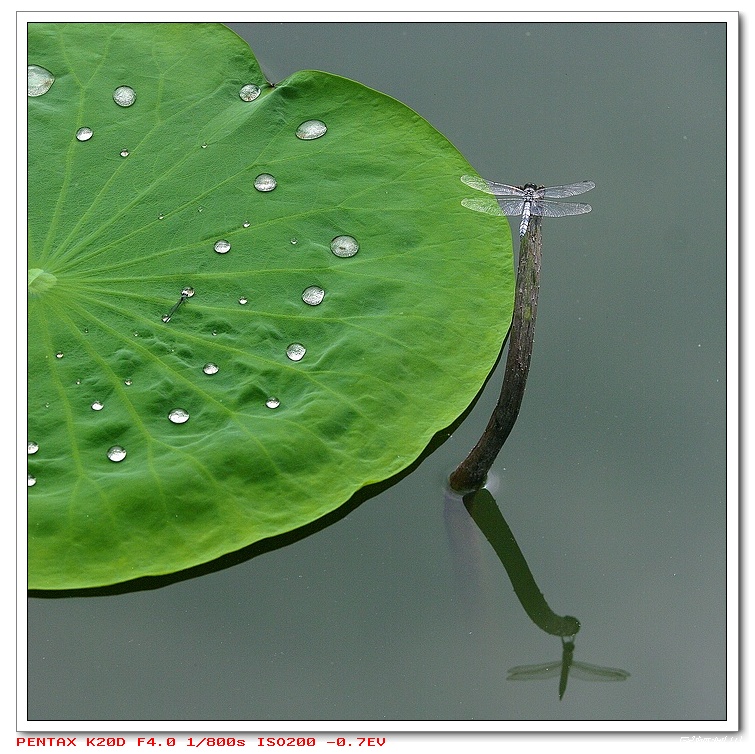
(529, 200)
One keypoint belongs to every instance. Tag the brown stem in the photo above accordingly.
(471, 473)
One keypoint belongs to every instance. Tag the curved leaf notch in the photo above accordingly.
(245, 301)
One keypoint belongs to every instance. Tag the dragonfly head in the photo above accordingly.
(532, 186)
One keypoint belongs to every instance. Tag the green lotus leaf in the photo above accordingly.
(214, 357)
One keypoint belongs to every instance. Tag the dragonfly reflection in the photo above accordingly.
(529, 199)
(562, 668)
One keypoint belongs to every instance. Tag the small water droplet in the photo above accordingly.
(179, 416)
(245, 224)
(214, 332)
(124, 152)
(222, 246)
(243, 300)
(165, 318)
(210, 368)
(265, 182)
(200, 208)
(78, 382)
(187, 292)
(313, 295)
(32, 448)
(31, 481)
(59, 355)
(136, 334)
(272, 402)
(84, 134)
(311, 129)
(98, 406)
(39, 81)
(116, 454)
(344, 246)
(294, 241)
(296, 352)
(249, 92)
(127, 382)
(124, 96)
(204, 145)
(161, 216)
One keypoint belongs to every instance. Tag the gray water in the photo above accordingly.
(613, 481)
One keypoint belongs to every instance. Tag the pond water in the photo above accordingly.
(613, 482)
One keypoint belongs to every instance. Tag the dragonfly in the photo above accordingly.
(529, 199)
(563, 667)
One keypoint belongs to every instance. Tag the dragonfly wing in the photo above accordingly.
(534, 672)
(503, 189)
(544, 208)
(488, 206)
(490, 187)
(586, 672)
(572, 189)
(510, 206)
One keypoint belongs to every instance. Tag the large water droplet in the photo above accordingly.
(116, 453)
(222, 246)
(39, 81)
(272, 402)
(243, 300)
(179, 416)
(313, 295)
(59, 355)
(124, 96)
(249, 92)
(98, 406)
(210, 368)
(296, 352)
(124, 152)
(30, 481)
(32, 448)
(311, 129)
(344, 246)
(265, 182)
(84, 133)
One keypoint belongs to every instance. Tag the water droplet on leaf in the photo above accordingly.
(84, 134)
(39, 81)
(311, 129)
(313, 295)
(187, 292)
(344, 246)
(249, 92)
(116, 454)
(245, 224)
(243, 300)
(124, 152)
(31, 481)
(294, 241)
(296, 352)
(272, 402)
(210, 368)
(265, 182)
(222, 246)
(127, 382)
(59, 355)
(97, 406)
(178, 416)
(124, 96)
(32, 448)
